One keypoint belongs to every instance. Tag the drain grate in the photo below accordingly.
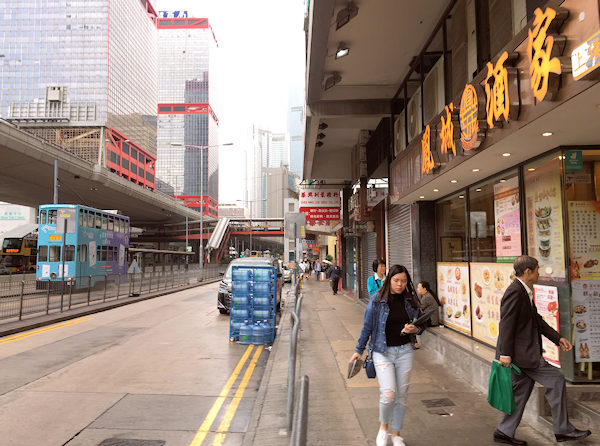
(131, 442)
(442, 402)
(440, 412)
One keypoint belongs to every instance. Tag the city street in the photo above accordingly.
(161, 369)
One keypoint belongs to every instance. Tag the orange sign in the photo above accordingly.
(469, 114)
(447, 132)
(497, 95)
(427, 163)
(11, 250)
(539, 51)
(55, 238)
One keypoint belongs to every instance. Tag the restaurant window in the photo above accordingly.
(495, 219)
(544, 216)
(450, 214)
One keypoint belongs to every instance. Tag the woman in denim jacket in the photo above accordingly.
(388, 326)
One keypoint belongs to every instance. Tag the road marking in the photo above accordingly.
(28, 334)
(214, 410)
(235, 402)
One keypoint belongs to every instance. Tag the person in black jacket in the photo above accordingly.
(335, 274)
(520, 342)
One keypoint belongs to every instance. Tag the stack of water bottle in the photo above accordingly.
(253, 304)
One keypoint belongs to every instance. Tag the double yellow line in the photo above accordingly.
(30, 333)
(235, 401)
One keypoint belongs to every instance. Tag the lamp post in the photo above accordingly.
(201, 194)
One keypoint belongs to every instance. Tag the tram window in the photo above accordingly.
(69, 253)
(43, 217)
(99, 253)
(54, 254)
(104, 222)
(90, 220)
(111, 223)
(120, 225)
(81, 217)
(98, 221)
(52, 217)
(82, 255)
(109, 254)
(43, 254)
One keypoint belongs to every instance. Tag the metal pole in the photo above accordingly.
(55, 201)
(21, 301)
(105, 285)
(118, 285)
(48, 298)
(70, 294)
(62, 274)
(301, 418)
(186, 239)
(89, 289)
(250, 235)
(201, 209)
(292, 363)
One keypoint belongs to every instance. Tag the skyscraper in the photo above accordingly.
(187, 123)
(83, 75)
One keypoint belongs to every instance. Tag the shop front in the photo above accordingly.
(519, 174)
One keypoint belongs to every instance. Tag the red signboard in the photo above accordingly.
(321, 213)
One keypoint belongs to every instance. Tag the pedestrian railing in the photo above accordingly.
(297, 426)
(30, 296)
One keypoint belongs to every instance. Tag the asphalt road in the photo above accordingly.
(161, 370)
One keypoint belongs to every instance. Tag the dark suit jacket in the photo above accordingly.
(521, 328)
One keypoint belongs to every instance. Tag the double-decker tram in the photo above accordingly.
(89, 245)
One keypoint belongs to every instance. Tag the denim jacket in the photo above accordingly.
(374, 324)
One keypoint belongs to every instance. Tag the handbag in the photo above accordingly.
(369, 365)
(500, 391)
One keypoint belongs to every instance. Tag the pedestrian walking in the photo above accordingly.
(520, 343)
(387, 325)
(375, 282)
(429, 301)
(334, 274)
(318, 269)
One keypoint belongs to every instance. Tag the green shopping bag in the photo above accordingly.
(500, 391)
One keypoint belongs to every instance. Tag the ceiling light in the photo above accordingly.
(547, 134)
(332, 80)
(531, 169)
(342, 50)
(454, 181)
(321, 135)
(319, 143)
(461, 196)
(475, 170)
(346, 14)
(422, 196)
(478, 189)
(436, 190)
(506, 154)
(323, 126)
(503, 180)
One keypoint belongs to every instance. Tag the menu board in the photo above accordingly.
(453, 291)
(546, 302)
(586, 320)
(544, 219)
(488, 283)
(584, 229)
(507, 220)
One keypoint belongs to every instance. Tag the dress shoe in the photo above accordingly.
(575, 435)
(499, 437)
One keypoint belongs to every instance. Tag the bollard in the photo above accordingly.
(158, 282)
(118, 285)
(105, 285)
(89, 289)
(21, 300)
(71, 293)
(62, 294)
(48, 298)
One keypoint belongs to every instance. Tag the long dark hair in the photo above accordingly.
(410, 292)
(427, 287)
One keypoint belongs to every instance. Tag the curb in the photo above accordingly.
(49, 319)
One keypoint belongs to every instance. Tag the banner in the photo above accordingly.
(584, 241)
(586, 320)
(546, 302)
(507, 220)
(453, 291)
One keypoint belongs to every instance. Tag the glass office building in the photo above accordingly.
(83, 75)
(187, 123)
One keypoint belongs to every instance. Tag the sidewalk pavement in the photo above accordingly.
(442, 407)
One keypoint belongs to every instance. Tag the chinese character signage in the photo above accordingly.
(472, 131)
(586, 57)
(546, 302)
(319, 198)
(545, 238)
(586, 320)
(453, 291)
(584, 230)
(488, 283)
(502, 91)
(427, 160)
(507, 220)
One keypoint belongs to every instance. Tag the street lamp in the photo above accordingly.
(201, 195)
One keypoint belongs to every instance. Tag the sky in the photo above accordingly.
(260, 57)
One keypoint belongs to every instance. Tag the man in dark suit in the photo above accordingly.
(520, 342)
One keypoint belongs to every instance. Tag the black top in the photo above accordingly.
(396, 320)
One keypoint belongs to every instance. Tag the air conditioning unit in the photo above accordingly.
(414, 115)
(399, 134)
(433, 87)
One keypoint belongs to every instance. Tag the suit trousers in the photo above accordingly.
(334, 284)
(554, 391)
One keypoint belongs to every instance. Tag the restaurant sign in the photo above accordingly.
(586, 57)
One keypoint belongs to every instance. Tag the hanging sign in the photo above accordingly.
(586, 57)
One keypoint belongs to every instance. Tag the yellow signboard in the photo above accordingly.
(55, 238)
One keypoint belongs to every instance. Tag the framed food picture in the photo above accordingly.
(453, 292)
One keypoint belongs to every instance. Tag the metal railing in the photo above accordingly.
(301, 413)
(31, 296)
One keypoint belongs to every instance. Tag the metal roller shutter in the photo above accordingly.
(400, 236)
(369, 254)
